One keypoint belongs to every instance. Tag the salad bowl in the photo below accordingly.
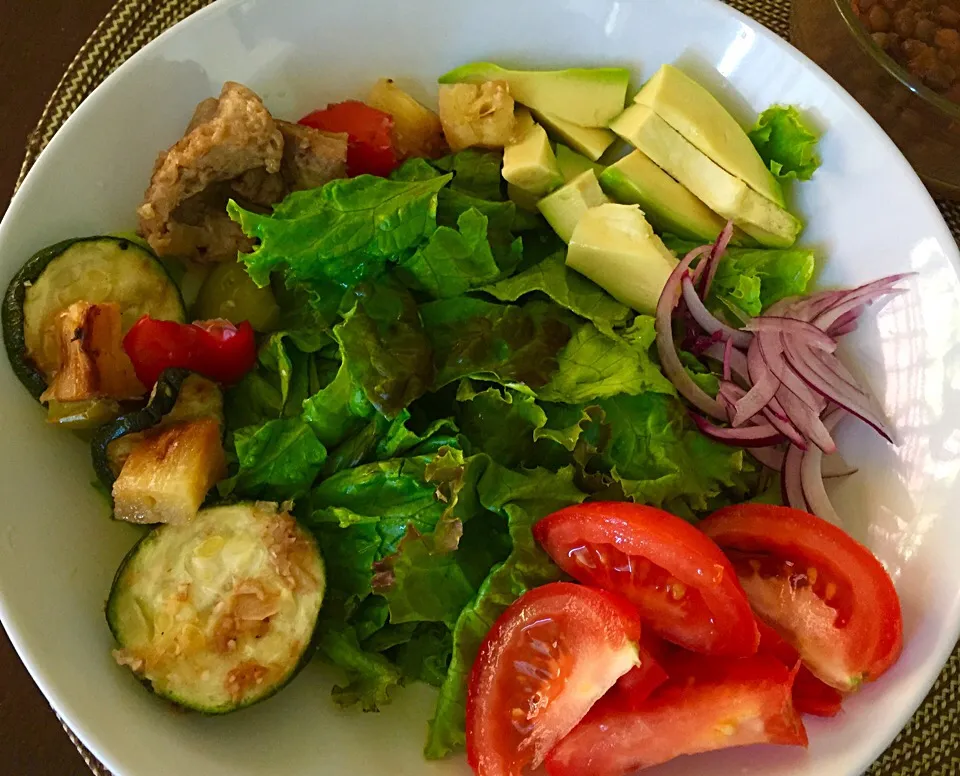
(865, 212)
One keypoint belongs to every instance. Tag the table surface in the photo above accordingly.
(40, 38)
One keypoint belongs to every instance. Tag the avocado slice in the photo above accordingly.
(589, 141)
(668, 206)
(530, 163)
(572, 164)
(725, 194)
(617, 249)
(566, 206)
(697, 115)
(590, 97)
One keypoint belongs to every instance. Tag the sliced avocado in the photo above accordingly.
(530, 163)
(566, 206)
(573, 164)
(617, 249)
(589, 141)
(668, 206)
(590, 97)
(722, 192)
(697, 115)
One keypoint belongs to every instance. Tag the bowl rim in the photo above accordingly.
(97, 741)
(859, 32)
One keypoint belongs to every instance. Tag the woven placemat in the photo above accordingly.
(930, 743)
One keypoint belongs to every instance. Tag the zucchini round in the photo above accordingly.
(89, 269)
(178, 396)
(221, 612)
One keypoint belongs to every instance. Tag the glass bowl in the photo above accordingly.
(924, 124)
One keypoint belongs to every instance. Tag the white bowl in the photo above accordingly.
(865, 209)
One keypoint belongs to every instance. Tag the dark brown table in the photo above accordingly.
(40, 37)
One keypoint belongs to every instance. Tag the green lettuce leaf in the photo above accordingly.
(278, 460)
(594, 365)
(343, 232)
(786, 143)
(522, 498)
(500, 421)
(453, 261)
(475, 172)
(752, 279)
(384, 347)
(432, 576)
(426, 655)
(659, 457)
(505, 343)
(568, 289)
(338, 410)
(371, 677)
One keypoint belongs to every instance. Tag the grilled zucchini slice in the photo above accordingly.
(221, 612)
(90, 269)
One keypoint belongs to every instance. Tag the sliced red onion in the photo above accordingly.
(771, 457)
(771, 348)
(830, 385)
(765, 386)
(846, 322)
(833, 466)
(713, 261)
(707, 320)
(791, 485)
(669, 359)
(762, 435)
(811, 476)
(737, 361)
(785, 427)
(727, 359)
(858, 296)
(793, 327)
(806, 420)
(697, 253)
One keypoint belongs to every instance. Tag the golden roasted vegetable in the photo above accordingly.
(416, 130)
(166, 477)
(477, 114)
(93, 363)
(197, 398)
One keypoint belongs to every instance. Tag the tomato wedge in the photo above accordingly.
(822, 591)
(709, 703)
(548, 658)
(810, 695)
(369, 135)
(683, 585)
(639, 683)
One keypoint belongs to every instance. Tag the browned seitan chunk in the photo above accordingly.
(222, 143)
(311, 157)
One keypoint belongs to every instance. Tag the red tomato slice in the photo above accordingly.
(217, 349)
(810, 695)
(638, 684)
(683, 585)
(823, 592)
(708, 703)
(555, 637)
(370, 135)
